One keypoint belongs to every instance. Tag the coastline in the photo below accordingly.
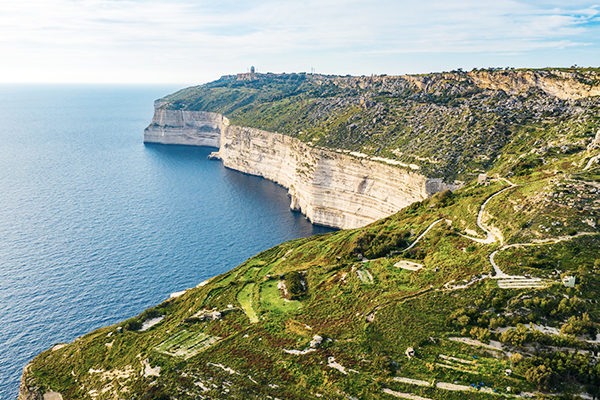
(335, 189)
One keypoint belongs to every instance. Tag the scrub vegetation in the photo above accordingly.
(474, 333)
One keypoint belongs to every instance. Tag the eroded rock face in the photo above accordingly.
(330, 188)
(184, 127)
(27, 389)
(559, 84)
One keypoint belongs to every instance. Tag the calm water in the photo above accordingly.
(95, 226)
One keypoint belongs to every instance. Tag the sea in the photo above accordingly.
(96, 226)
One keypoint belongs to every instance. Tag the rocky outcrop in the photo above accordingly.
(331, 188)
(564, 85)
(28, 390)
(559, 84)
(184, 127)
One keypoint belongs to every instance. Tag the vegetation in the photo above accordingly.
(466, 328)
(448, 124)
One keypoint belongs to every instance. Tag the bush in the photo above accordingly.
(578, 326)
(293, 284)
(540, 376)
(442, 199)
(373, 245)
(384, 365)
(516, 359)
(481, 334)
(133, 325)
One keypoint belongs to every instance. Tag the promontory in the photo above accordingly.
(466, 267)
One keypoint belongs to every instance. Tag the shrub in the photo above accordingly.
(516, 359)
(133, 325)
(540, 376)
(480, 333)
(293, 284)
(578, 326)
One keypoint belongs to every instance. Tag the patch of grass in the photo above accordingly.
(244, 297)
(270, 299)
(186, 344)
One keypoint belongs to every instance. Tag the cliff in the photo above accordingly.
(560, 84)
(453, 125)
(183, 127)
(331, 188)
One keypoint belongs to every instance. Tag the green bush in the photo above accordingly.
(293, 284)
(373, 245)
(133, 325)
(540, 376)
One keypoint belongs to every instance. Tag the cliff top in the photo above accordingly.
(453, 125)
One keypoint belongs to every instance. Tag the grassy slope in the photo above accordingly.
(405, 308)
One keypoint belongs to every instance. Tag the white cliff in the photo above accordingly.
(330, 188)
(184, 127)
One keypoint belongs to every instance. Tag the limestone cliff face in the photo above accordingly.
(330, 188)
(184, 127)
(563, 85)
(560, 84)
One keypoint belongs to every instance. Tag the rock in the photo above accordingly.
(184, 127)
(316, 342)
(482, 179)
(27, 389)
(595, 143)
(330, 188)
(52, 396)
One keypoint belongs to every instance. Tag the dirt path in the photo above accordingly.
(421, 235)
(591, 161)
(512, 281)
(491, 238)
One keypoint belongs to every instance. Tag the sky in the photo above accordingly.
(197, 41)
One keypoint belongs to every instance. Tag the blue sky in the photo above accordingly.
(191, 42)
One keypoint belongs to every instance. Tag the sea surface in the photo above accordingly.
(95, 226)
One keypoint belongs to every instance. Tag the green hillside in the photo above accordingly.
(471, 281)
(448, 124)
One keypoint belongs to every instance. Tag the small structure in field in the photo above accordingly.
(482, 179)
(569, 281)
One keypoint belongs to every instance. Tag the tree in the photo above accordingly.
(480, 333)
(541, 376)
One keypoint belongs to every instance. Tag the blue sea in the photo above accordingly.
(96, 226)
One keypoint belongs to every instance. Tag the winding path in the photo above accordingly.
(591, 161)
(505, 280)
(421, 235)
(491, 238)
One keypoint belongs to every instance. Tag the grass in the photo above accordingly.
(186, 344)
(271, 300)
(244, 297)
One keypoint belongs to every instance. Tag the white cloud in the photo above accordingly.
(149, 40)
